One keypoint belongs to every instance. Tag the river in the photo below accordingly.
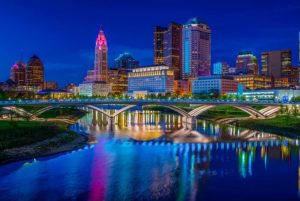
(146, 155)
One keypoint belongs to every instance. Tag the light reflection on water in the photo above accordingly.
(142, 157)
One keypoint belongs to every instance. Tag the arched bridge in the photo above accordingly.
(270, 109)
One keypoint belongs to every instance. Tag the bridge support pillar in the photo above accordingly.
(189, 123)
(111, 123)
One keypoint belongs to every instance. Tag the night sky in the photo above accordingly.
(63, 32)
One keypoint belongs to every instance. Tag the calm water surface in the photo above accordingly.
(148, 156)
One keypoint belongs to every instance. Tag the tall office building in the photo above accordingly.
(35, 72)
(125, 60)
(118, 77)
(168, 46)
(246, 64)
(274, 61)
(159, 44)
(196, 49)
(101, 60)
(18, 73)
(172, 48)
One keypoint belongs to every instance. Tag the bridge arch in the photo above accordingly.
(251, 111)
(50, 107)
(45, 109)
(173, 108)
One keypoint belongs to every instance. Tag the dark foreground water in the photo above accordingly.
(143, 158)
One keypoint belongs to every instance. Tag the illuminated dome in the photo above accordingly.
(19, 65)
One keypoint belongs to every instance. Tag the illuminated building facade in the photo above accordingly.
(50, 86)
(72, 88)
(217, 68)
(207, 84)
(54, 94)
(273, 62)
(182, 87)
(220, 68)
(94, 89)
(101, 60)
(292, 74)
(159, 44)
(118, 78)
(268, 94)
(246, 64)
(18, 73)
(254, 81)
(35, 72)
(196, 49)
(282, 82)
(157, 79)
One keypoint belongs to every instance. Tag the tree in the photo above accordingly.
(296, 99)
(295, 111)
(3, 95)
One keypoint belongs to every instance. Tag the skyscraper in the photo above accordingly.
(101, 60)
(172, 48)
(159, 44)
(18, 73)
(246, 63)
(273, 62)
(35, 72)
(168, 47)
(196, 49)
(125, 60)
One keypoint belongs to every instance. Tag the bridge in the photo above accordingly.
(189, 118)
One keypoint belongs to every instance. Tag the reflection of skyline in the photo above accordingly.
(151, 125)
(175, 162)
(156, 129)
(122, 168)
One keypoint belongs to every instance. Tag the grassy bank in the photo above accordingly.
(279, 125)
(67, 113)
(22, 140)
(223, 112)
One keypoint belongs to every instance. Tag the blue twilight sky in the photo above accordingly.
(63, 32)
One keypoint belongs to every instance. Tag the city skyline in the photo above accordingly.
(61, 52)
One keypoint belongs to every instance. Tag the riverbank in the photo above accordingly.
(223, 112)
(281, 125)
(64, 113)
(21, 140)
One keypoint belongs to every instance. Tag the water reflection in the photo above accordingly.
(139, 158)
(157, 126)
